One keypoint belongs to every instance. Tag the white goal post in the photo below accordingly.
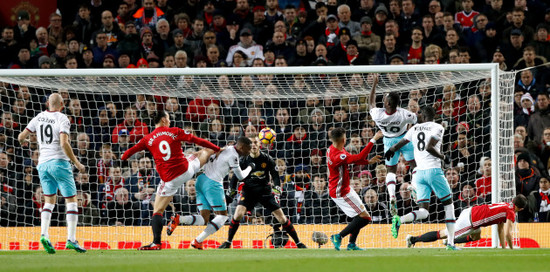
(432, 81)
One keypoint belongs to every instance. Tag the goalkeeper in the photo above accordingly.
(258, 189)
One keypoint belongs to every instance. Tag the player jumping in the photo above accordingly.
(52, 131)
(349, 202)
(258, 189)
(426, 138)
(393, 122)
(470, 221)
(210, 194)
(174, 169)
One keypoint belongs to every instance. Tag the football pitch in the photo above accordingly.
(310, 260)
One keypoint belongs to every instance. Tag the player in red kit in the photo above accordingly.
(338, 160)
(470, 221)
(174, 168)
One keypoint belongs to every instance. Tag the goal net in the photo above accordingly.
(111, 109)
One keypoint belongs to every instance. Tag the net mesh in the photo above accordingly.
(109, 114)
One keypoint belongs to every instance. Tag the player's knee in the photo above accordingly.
(422, 214)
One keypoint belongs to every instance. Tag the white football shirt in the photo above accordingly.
(217, 168)
(420, 135)
(395, 124)
(48, 126)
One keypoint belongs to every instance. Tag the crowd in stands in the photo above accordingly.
(192, 33)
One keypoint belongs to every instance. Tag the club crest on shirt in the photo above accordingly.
(264, 165)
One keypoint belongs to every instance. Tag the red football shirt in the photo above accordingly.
(490, 214)
(165, 145)
(338, 161)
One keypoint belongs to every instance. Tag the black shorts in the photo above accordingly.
(250, 196)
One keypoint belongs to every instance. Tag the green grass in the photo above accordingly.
(310, 260)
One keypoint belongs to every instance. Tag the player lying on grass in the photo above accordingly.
(210, 194)
(257, 188)
(426, 137)
(53, 130)
(393, 121)
(173, 167)
(347, 199)
(470, 221)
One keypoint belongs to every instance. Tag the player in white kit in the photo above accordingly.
(426, 138)
(210, 193)
(53, 129)
(393, 121)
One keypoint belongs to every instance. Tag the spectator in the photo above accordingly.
(344, 14)
(527, 181)
(405, 203)
(468, 197)
(542, 200)
(148, 15)
(483, 184)
(55, 29)
(105, 163)
(378, 211)
(102, 49)
(88, 213)
(466, 17)
(367, 41)
(316, 203)
(513, 50)
(518, 18)
(540, 119)
(390, 48)
(9, 47)
(135, 127)
(23, 60)
(528, 108)
(247, 46)
(112, 31)
(123, 211)
(416, 50)
(453, 177)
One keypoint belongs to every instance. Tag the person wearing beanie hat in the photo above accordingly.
(527, 179)
(148, 45)
(44, 62)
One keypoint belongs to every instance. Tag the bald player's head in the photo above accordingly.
(55, 102)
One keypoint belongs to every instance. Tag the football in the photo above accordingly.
(266, 135)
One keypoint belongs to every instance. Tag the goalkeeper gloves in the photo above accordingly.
(252, 166)
(276, 191)
(229, 196)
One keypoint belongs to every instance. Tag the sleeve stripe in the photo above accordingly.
(29, 130)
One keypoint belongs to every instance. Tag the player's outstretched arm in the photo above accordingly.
(372, 97)
(389, 154)
(361, 158)
(202, 142)
(66, 146)
(133, 150)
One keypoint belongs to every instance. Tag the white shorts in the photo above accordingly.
(350, 204)
(463, 225)
(171, 187)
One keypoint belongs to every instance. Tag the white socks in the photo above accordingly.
(194, 220)
(415, 216)
(450, 223)
(45, 218)
(72, 219)
(391, 179)
(214, 225)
